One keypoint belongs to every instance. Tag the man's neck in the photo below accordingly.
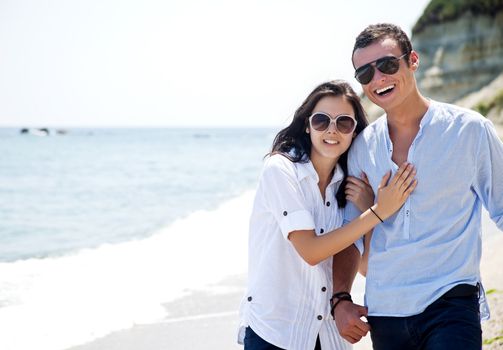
(409, 113)
(403, 125)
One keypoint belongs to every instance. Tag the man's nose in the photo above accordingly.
(378, 75)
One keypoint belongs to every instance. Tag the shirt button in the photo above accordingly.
(250, 298)
(328, 204)
(285, 213)
(323, 289)
(320, 317)
(321, 230)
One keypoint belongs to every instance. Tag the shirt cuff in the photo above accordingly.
(295, 221)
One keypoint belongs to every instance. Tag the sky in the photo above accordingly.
(178, 63)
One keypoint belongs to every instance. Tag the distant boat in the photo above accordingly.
(35, 131)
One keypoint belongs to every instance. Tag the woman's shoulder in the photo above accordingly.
(279, 164)
(279, 161)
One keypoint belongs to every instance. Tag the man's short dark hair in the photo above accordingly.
(377, 32)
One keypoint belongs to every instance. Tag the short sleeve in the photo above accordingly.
(283, 197)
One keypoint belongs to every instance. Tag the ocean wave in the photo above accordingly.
(55, 303)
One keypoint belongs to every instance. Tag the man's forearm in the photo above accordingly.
(345, 267)
(348, 315)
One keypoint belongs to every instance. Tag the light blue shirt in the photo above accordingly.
(434, 241)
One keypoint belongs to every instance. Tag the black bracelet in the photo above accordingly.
(340, 296)
(372, 210)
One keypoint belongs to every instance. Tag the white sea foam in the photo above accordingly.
(55, 303)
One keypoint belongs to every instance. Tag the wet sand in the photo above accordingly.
(208, 319)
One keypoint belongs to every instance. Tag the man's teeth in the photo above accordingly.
(331, 142)
(384, 89)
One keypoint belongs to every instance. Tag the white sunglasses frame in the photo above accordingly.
(333, 120)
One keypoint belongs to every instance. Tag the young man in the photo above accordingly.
(423, 280)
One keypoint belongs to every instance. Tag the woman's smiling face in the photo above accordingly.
(330, 143)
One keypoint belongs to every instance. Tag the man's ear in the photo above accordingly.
(414, 60)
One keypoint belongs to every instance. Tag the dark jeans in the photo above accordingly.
(448, 323)
(254, 342)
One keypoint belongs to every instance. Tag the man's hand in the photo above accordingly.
(347, 319)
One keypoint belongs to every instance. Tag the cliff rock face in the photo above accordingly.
(459, 56)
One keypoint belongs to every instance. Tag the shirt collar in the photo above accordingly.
(428, 115)
(306, 169)
(425, 120)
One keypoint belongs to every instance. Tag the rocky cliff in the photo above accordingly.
(461, 54)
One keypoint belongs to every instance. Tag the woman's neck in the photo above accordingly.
(325, 169)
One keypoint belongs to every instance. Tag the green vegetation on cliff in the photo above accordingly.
(439, 11)
(495, 102)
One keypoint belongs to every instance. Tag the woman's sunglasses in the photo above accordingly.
(345, 124)
(386, 65)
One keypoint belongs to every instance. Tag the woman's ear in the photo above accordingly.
(307, 130)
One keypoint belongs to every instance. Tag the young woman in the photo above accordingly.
(295, 227)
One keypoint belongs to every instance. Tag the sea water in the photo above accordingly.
(100, 227)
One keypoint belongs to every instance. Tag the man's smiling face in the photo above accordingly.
(387, 90)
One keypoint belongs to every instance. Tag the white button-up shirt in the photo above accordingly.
(287, 300)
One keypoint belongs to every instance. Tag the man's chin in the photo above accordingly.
(378, 103)
(385, 104)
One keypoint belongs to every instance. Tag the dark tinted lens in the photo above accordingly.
(345, 124)
(388, 65)
(320, 122)
(364, 74)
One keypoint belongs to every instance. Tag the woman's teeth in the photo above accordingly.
(331, 142)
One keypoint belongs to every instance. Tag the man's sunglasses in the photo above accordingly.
(344, 123)
(386, 65)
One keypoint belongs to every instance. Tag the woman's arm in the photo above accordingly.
(314, 249)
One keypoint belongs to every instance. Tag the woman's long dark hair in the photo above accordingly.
(295, 144)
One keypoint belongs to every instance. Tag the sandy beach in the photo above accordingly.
(492, 276)
(208, 319)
